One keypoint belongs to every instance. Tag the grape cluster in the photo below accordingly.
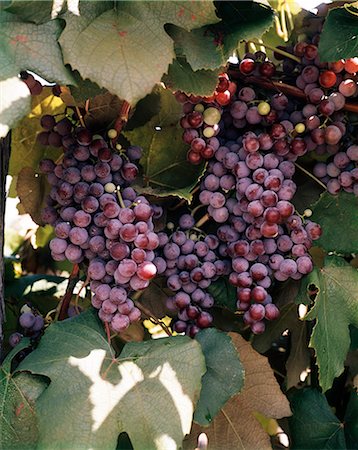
(248, 187)
(248, 194)
(201, 119)
(191, 264)
(340, 171)
(31, 324)
(99, 219)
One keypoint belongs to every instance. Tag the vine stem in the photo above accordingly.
(121, 120)
(311, 176)
(201, 221)
(149, 313)
(62, 308)
(291, 90)
(278, 50)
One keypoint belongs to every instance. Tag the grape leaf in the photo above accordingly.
(154, 297)
(32, 190)
(25, 148)
(181, 77)
(299, 357)
(166, 170)
(313, 424)
(198, 46)
(15, 103)
(209, 47)
(351, 421)
(338, 212)
(84, 89)
(26, 46)
(145, 109)
(236, 426)
(149, 391)
(39, 12)
(224, 376)
(224, 293)
(44, 235)
(335, 308)
(19, 391)
(339, 34)
(21, 286)
(126, 49)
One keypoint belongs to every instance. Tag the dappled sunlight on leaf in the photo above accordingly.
(149, 391)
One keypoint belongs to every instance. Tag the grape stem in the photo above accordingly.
(278, 50)
(121, 120)
(120, 198)
(62, 309)
(291, 90)
(311, 176)
(196, 209)
(80, 117)
(148, 313)
(201, 221)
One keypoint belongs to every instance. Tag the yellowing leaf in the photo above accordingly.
(32, 190)
(26, 151)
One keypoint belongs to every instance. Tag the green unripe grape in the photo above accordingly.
(300, 128)
(170, 226)
(208, 132)
(199, 107)
(307, 212)
(110, 188)
(112, 133)
(211, 116)
(263, 108)
(118, 147)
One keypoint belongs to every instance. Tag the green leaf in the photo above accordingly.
(337, 213)
(84, 89)
(126, 49)
(209, 47)
(351, 421)
(224, 377)
(197, 46)
(299, 356)
(335, 308)
(149, 391)
(30, 11)
(165, 168)
(181, 77)
(339, 35)
(26, 46)
(41, 11)
(25, 148)
(18, 287)
(313, 424)
(145, 109)
(224, 293)
(15, 103)
(18, 393)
